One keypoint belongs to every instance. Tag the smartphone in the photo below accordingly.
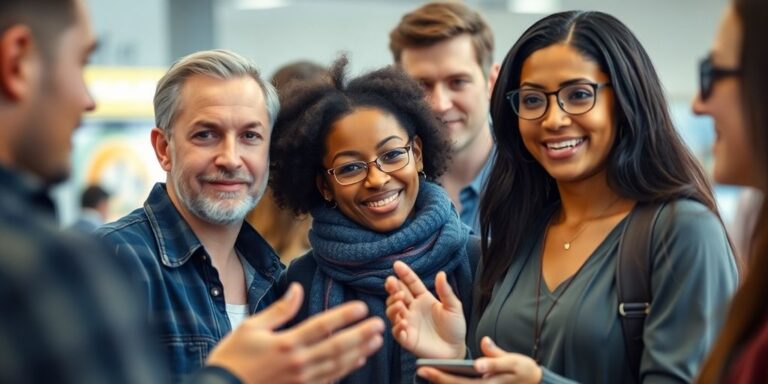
(453, 366)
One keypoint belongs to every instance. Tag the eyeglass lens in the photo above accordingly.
(390, 161)
(573, 99)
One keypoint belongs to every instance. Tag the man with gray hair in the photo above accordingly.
(205, 270)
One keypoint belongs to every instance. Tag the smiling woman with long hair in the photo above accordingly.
(584, 140)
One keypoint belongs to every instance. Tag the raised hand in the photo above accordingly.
(310, 352)
(498, 366)
(421, 323)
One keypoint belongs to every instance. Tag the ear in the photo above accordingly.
(418, 159)
(324, 188)
(493, 75)
(19, 63)
(161, 143)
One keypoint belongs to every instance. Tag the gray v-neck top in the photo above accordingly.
(693, 277)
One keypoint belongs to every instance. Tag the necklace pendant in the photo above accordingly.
(567, 245)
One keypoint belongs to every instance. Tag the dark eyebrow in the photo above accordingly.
(355, 153)
(562, 84)
(381, 143)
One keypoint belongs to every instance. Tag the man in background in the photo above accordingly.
(94, 207)
(448, 48)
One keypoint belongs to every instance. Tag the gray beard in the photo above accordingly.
(212, 211)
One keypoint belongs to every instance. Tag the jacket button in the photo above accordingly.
(215, 291)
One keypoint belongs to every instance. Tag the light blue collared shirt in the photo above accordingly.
(469, 196)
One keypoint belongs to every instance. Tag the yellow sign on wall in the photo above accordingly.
(122, 92)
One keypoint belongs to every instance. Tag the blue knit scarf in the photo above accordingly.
(355, 260)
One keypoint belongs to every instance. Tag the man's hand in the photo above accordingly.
(308, 353)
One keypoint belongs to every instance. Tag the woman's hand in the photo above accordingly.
(422, 324)
(498, 366)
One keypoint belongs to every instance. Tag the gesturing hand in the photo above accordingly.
(420, 323)
(306, 353)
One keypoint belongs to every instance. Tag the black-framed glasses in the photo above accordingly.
(353, 172)
(573, 99)
(710, 73)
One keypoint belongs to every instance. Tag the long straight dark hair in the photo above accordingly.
(648, 160)
(749, 308)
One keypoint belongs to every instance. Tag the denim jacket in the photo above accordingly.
(185, 298)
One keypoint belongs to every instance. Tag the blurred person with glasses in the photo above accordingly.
(584, 139)
(361, 158)
(734, 92)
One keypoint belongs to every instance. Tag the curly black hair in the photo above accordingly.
(309, 109)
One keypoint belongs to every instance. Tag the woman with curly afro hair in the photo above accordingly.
(362, 158)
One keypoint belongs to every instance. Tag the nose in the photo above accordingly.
(89, 102)
(228, 156)
(376, 178)
(439, 99)
(554, 117)
(699, 106)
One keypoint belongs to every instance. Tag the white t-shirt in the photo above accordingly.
(236, 313)
(239, 312)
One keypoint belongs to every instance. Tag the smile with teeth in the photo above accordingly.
(383, 202)
(565, 144)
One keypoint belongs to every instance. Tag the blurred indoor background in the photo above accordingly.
(139, 39)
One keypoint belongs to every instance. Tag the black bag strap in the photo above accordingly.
(475, 252)
(633, 278)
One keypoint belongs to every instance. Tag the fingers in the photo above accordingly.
(412, 282)
(336, 356)
(444, 291)
(499, 363)
(490, 348)
(395, 311)
(323, 324)
(391, 285)
(279, 312)
(494, 361)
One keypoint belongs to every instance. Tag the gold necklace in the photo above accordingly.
(583, 225)
(538, 328)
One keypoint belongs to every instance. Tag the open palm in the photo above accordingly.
(421, 323)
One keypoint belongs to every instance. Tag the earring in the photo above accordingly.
(330, 203)
(423, 175)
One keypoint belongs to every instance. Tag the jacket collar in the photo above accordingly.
(177, 242)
